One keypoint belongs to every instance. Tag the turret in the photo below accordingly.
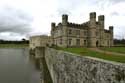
(111, 28)
(53, 25)
(93, 16)
(92, 30)
(64, 19)
(101, 20)
(111, 35)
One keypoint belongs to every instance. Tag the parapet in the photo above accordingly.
(74, 25)
(101, 18)
(110, 27)
(92, 15)
(53, 24)
(65, 17)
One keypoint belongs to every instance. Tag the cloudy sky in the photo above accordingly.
(22, 18)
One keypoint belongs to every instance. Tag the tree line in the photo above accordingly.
(119, 42)
(23, 41)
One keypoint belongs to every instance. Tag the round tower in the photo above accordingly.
(92, 30)
(92, 18)
(92, 15)
(101, 21)
(65, 29)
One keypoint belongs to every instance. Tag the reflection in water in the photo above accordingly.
(16, 67)
(35, 61)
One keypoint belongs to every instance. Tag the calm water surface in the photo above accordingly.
(16, 67)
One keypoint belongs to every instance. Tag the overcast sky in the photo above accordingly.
(22, 18)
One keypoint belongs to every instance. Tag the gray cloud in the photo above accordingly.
(14, 20)
(116, 1)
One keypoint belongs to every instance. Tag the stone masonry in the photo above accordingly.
(66, 67)
(88, 34)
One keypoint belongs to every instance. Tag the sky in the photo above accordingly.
(23, 18)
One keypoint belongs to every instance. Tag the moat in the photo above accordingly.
(16, 66)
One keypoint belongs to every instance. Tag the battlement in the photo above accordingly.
(64, 19)
(110, 27)
(101, 18)
(74, 25)
(53, 24)
(92, 15)
(91, 33)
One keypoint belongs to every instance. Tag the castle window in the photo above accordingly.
(78, 42)
(70, 31)
(70, 42)
(77, 32)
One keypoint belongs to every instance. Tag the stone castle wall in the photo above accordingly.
(39, 40)
(96, 33)
(66, 67)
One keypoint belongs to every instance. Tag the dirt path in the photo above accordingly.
(106, 52)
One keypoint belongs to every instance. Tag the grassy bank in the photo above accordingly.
(115, 49)
(87, 52)
(14, 45)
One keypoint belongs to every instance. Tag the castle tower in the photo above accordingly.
(53, 25)
(101, 21)
(65, 29)
(111, 35)
(92, 30)
(64, 19)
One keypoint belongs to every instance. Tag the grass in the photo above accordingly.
(87, 52)
(14, 45)
(115, 49)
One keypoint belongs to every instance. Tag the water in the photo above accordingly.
(16, 67)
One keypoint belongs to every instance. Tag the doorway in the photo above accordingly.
(97, 43)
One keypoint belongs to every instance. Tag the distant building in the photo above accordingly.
(88, 34)
(40, 40)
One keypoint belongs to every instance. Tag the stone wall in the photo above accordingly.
(66, 67)
(39, 40)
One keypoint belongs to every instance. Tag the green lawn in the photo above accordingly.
(14, 45)
(87, 52)
(115, 49)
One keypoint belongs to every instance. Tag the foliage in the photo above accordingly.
(13, 45)
(14, 42)
(119, 42)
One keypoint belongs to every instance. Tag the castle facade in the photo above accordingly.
(88, 34)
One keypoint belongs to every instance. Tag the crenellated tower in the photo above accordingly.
(64, 19)
(53, 26)
(111, 35)
(101, 21)
(92, 30)
(91, 33)
(65, 29)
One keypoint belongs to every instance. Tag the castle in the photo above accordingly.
(88, 34)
